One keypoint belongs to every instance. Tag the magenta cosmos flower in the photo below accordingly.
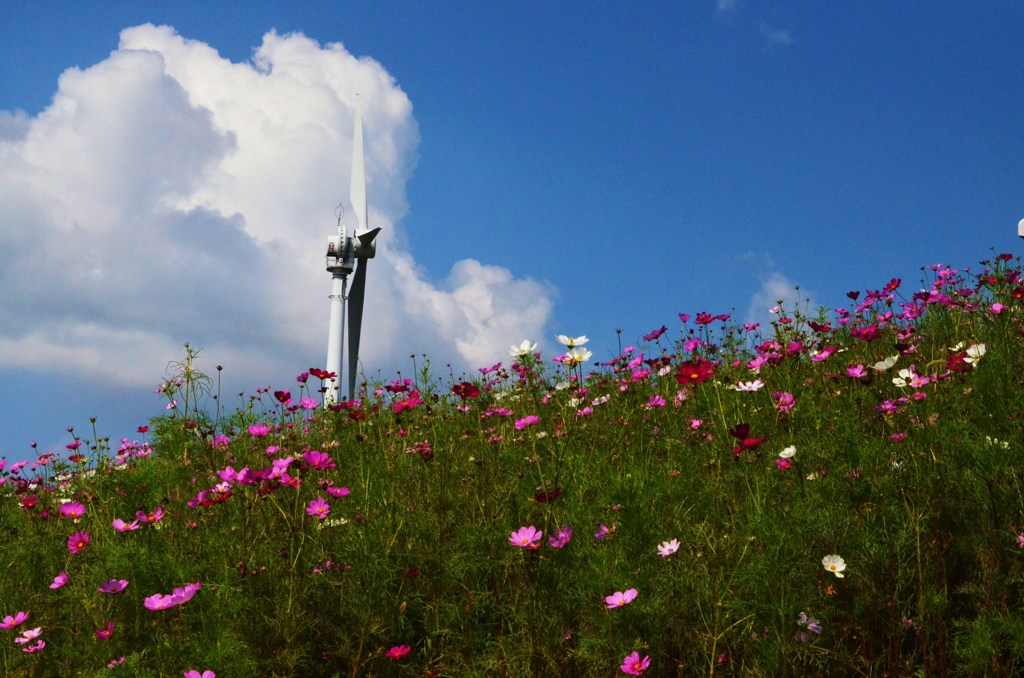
(59, 580)
(72, 509)
(154, 517)
(633, 665)
(192, 673)
(526, 537)
(10, 622)
(113, 586)
(77, 542)
(318, 507)
(620, 598)
(398, 652)
(107, 632)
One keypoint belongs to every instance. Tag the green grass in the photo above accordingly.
(918, 489)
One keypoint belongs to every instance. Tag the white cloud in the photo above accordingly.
(723, 6)
(775, 36)
(169, 195)
(778, 288)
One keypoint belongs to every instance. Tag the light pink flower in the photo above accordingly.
(667, 548)
(620, 598)
(121, 526)
(29, 635)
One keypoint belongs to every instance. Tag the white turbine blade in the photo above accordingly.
(357, 192)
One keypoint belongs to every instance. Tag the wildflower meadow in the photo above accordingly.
(839, 492)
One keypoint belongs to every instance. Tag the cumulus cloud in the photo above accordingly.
(776, 289)
(169, 195)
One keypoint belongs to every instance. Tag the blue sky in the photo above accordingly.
(541, 169)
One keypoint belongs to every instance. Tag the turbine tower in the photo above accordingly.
(348, 254)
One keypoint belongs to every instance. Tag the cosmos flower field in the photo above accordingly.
(840, 492)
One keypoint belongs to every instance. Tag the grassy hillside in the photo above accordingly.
(829, 495)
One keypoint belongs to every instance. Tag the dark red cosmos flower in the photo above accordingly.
(694, 371)
(742, 433)
(465, 390)
(869, 333)
(321, 374)
(704, 318)
(818, 327)
(283, 397)
(957, 362)
(543, 497)
(892, 285)
(853, 295)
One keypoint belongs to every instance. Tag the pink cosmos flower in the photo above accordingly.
(620, 598)
(113, 586)
(667, 548)
(319, 508)
(633, 665)
(784, 401)
(29, 635)
(121, 526)
(338, 492)
(10, 622)
(318, 460)
(655, 401)
(528, 420)
(397, 652)
(77, 542)
(59, 580)
(192, 673)
(107, 632)
(29, 649)
(561, 538)
(154, 517)
(115, 662)
(526, 537)
(158, 601)
(72, 509)
(603, 531)
(181, 594)
(857, 371)
(259, 430)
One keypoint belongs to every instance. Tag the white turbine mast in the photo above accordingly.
(348, 254)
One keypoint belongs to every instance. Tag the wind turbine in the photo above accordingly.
(347, 254)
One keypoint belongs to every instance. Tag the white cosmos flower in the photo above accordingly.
(883, 365)
(572, 342)
(788, 452)
(834, 564)
(974, 353)
(749, 386)
(576, 356)
(525, 348)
